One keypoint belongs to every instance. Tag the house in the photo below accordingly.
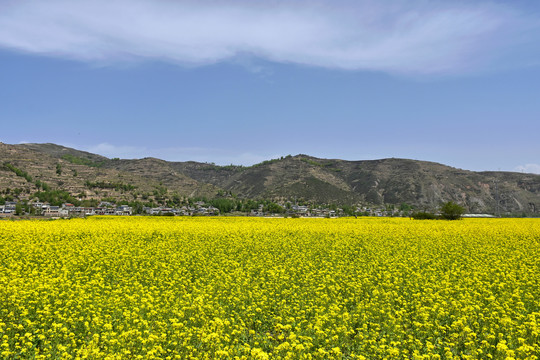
(300, 209)
(100, 211)
(89, 211)
(9, 207)
(52, 211)
(38, 205)
(123, 210)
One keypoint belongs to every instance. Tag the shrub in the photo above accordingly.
(451, 211)
(424, 215)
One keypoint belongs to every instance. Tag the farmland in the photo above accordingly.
(255, 288)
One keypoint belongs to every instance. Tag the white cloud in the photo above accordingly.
(218, 156)
(119, 151)
(412, 36)
(529, 168)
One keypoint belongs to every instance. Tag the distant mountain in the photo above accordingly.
(422, 184)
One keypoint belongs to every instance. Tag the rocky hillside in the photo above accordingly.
(89, 176)
(304, 178)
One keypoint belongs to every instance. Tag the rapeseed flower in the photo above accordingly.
(190, 288)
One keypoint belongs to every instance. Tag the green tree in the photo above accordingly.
(451, 211)
(405, 207)
(19, 209)
(423, 215)
(59, 169)
(224, 205)
(273, 208)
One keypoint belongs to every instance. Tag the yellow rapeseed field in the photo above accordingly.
(252, 288)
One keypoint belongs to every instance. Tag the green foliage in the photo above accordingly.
(348, 210)
(137, 207)
(273, 208)
(19, 209)
(42, 185)
(405, 207)
(109, 185)
(176, 199)
(82, 161)
(160, 191)
(311, 162)
(224, 193)
(58, 169)
(18, 171)
(424, 215)
(2, 201)
(224, 205)
(266, 162)
(56, 197)
(249, 204)
(150, 204)
(326, 165)
(451, 211)
(89, 203)
(30, 209)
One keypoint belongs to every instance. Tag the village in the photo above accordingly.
(199, 208)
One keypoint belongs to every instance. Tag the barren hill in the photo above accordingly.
(301, 177)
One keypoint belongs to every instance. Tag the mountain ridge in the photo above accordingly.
(390, 181)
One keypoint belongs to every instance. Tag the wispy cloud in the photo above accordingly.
(218, 156)
(410, 37)
(529, 168)
(118, 151)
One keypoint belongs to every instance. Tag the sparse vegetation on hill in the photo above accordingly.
(18, 171)
(82, 161)
(56, 197)
(109, 185)
(423, 185)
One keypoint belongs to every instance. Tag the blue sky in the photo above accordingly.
(241, 81)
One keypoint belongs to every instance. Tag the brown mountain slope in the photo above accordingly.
(387, 181)
(87, 174)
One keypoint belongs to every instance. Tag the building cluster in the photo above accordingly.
(68, 210)
(106, 208)
(307, 211)
(199, 208)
